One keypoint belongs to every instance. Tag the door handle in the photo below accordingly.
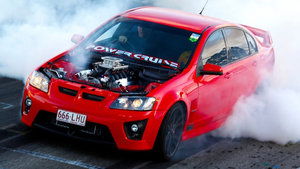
(254, 63)
(227, 75)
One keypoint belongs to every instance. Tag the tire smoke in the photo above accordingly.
(33, 31)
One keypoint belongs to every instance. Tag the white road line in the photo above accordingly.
(5, 106)
(141, 165)
(11, 138)
(8, 126)
(52, 158)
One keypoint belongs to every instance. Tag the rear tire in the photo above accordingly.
(169, 136)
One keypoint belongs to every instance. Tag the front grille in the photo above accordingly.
(92, 97)
(91, 131)
(86, 96)
(67, 91)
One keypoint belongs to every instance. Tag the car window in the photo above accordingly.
(252, 44)
(108, 34)
(214, 51)
(236, 43)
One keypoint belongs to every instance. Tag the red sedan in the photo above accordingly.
(149, 77)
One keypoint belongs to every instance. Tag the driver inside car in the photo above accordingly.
(136, 38)
(140, 39)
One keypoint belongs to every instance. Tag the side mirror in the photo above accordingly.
(77, 38)
(211, 69)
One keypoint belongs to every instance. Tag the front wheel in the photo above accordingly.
(170, 132)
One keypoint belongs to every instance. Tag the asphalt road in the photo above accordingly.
(21, 147)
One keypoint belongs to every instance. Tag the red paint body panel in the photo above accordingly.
(208, 99)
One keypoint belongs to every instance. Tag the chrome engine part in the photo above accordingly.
(120, 79)
(60, 72)
(111, 63)
(84, 74)
(110, 72)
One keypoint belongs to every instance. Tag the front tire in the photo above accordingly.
(170, 132)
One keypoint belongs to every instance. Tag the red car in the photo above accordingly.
(149, 77)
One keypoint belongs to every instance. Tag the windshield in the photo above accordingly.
(145, 41)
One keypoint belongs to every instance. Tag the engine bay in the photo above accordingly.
(110, 73)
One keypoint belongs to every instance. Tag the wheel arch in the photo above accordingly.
(170, 99)
(183, 104)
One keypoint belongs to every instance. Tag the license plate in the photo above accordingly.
(71, 117)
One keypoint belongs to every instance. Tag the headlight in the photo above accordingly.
(133, 103)
(39, 81)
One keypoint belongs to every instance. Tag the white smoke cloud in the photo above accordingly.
(32, 31)
(274, 113)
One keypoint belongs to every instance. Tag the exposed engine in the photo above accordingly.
(109, 73)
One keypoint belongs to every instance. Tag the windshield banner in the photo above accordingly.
(133, 55)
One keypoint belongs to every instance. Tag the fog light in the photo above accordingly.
(28, 102)
(134, 128)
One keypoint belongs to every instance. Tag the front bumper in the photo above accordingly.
(110, 120)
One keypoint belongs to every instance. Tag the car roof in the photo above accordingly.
(175, 18)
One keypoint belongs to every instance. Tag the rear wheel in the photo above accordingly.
(170, 132)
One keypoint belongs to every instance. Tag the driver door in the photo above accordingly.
(214, 91)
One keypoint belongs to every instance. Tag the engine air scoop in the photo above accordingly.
(111, 63)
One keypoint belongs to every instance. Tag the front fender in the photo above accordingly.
(167, 100)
